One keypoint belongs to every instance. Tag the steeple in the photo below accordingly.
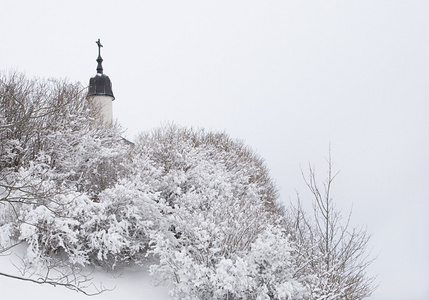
(100, 84)
(100, 90)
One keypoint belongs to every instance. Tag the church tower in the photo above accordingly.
(100, 92)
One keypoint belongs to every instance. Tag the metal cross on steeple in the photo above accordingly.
(99, 46)
(99, 59)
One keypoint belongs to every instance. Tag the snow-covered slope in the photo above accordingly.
(130, 284)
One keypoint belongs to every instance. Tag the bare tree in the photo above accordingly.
(332, 256)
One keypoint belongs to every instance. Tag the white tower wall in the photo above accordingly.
(104, 104)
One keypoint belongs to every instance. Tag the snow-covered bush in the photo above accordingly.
(33, 112)
(179, 153)
(221, 213)
(113, 231)
(64, 184)
(122, 232)
(265, 271)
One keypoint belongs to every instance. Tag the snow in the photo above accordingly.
(131, 284)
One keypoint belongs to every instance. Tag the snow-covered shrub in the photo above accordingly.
(220, 206)
(53, 118)
(60, 174)
(49, 234)
(179, 153)
(113, 231)
(121, 233)
(109, 230)
(33, 111)
(265, 271)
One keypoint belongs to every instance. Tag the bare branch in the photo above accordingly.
(69, 285)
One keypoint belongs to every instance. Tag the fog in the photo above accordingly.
(290, 78)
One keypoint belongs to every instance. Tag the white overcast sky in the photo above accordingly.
(288, 77)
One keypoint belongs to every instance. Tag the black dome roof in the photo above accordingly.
(100, 85)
